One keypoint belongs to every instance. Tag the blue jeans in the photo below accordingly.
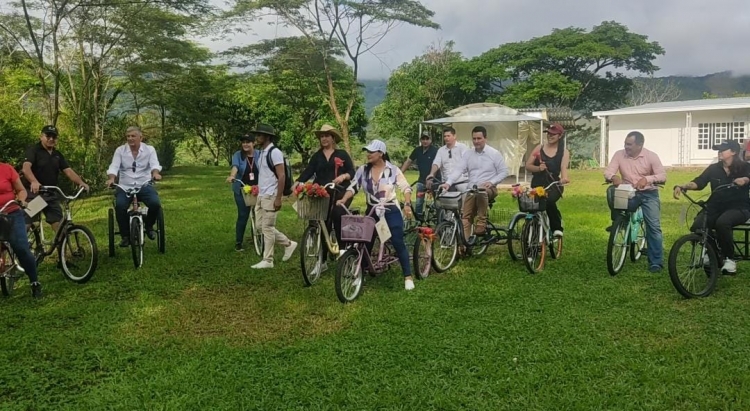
(147, 196)
(395, 222)
(651, 208)
(243, 214)
(19, 242)
(421, 189)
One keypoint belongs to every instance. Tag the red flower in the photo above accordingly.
(338, 162)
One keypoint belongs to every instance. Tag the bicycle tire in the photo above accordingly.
(349, 261)
(7, 263)
(615, 264)
(639, 243)
(111, 232)
(555, 247)
(422, 263)
(66, 269)
(136, 245)
(35, 244)
(161, 235)
(445, 228)
(712, 271)
(514, 236)
(530, 238)
(313, 234)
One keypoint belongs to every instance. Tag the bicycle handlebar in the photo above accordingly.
(702, 203)
(660, 185)
(129, 191)
(59, 190)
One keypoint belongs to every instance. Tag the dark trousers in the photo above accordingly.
(243, 214)
(147, 196)
(555, 217)
(395, 222)
(19, 242)
(722, 222)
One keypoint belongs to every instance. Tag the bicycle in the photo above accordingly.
(449, 233)
(9, 267)
(136, 214)
(316, 234)
(628, 233)
(255, 234)
(359, 230)
(705, 254)
(420, 231)
(71, 241)
(536, 237)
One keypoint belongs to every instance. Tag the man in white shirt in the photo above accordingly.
(447, 158)
(270, 190)
(486, 169)
(136, 164)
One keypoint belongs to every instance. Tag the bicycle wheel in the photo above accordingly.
(136, 241)
(533, 246)
(349, 276)
(7, 268)
(161, 235)
(701, 263)
(422, 257)
(515, 246)
(256, 234)
(639, 243)
(445, 246)
(35, 244)
(617, 246)
(78, 254)
(410, 230)
(111, 232)
(311, 255)
(555, 247)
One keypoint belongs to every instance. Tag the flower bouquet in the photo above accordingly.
(250, 194)
(312, 201)
(530, 199)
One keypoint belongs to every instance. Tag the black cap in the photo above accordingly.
(425, 136)
(728, 145)
(246, 137)
(49, 130)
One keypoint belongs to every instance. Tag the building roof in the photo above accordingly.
(681, 106)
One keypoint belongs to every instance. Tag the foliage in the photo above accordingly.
(652, 90)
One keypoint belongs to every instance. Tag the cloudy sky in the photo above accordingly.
(699, 36)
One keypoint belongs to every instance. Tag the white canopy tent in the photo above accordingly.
(509, 131)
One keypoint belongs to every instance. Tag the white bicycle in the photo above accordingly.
(136, 215)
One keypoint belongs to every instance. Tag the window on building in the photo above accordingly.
(710, 134)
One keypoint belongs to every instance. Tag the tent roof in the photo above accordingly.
(482, 113)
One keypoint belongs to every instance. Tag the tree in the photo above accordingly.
(570, 68)
(355, 26)
(652, 90)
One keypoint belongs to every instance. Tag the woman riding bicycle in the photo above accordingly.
(11, 189)
(245, 165)
(734, 204)
(379, 178)
(330, 165)
(548, 163)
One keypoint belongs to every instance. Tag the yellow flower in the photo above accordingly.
(247, 189)
(540, 192)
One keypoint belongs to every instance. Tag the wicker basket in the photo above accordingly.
(313, 208)
(528, 204)
(450, 200)
(357, 228)
(250, 200)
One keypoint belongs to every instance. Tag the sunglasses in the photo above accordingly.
(134, 166)
(450, 153)
(51, 136)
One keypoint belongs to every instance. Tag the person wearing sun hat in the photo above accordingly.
(244, 165)
(379, 179)
(734, 204)
(330, 165)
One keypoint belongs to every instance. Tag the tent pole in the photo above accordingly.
(420, 130)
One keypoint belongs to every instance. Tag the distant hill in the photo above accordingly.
(722, 84)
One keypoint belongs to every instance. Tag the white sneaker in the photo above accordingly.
(289, 250)
(19, 268)
(341, 253)
(557, 233)
(409, 285)
(263, 264)
(729, 266)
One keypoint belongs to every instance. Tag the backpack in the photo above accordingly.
(287, 170)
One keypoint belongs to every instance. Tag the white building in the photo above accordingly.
(682, 133)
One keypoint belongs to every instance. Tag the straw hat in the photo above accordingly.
(328, 129)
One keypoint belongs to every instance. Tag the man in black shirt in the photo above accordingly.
(424, 155)
(42, 167)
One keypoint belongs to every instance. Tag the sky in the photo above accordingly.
(700, 37)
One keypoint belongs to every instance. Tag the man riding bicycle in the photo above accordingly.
(136, 164)
(486, 169)
(642, 169)
(448, 158)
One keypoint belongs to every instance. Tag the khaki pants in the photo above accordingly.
(266, 220)
(476, 205)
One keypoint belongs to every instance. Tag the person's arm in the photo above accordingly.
(234, 168)
(26, 168)
(114, 167)
(660, 174)
(154, 166)
(700, 182)
(614, 166)
(354, 187)
(348, 165)
(564, 167)
(75, 178)
(407, 163)
(530, 166)
(18, 188)
(502, 170)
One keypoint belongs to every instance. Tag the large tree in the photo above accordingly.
(355, 25)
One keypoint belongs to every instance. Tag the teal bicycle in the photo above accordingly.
(627, 235)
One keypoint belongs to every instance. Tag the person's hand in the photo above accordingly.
(542, 166)
(340, 202)
(407, 211)
(741, 181)
(85, 186)
(23, 204)
(564, 181)
(641, 184)
(445, 187)
(677, 192)
(338, 180)
(277, 204)
(157, 176)
(487, 186)
(109, 182)
(229, 179)
(35, 187)
(616, 181)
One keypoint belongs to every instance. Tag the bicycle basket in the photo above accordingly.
(450, 200)
(5, 227)
(250, 200)
(357, 228)
(528, 204)
(313, 208)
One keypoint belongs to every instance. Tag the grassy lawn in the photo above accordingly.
(198, 329)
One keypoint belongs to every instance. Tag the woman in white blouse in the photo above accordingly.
(379, 179)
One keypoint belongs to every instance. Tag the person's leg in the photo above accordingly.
(122, 202)
(421, 189)
(467, 213)
(611, 203)
(698, 222)
(264, 216)
(243, 213)
(651, 207)
(53, 213)
(19, 242)
(396, 225)
(150, 198)
(724, 235)
(337, 213)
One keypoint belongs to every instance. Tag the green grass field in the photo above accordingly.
(197, 329)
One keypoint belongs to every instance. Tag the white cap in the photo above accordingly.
(375, 145)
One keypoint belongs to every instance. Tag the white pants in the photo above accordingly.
(266, 219)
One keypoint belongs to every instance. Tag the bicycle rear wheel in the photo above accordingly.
(78, 254)
(639, 242)
(617, 246)
(422, 257)
(533, 246)
(136, 243)
(701, 264)
(445, 246)
(515, 245)
(7, 268)
(349, 276)
(311, 255)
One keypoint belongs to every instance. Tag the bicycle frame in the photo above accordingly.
(704, 205)
(135, 211)
(544, 229)
(66, 222)
(383, 261)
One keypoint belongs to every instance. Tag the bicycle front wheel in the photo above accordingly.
(617, 246)
(445, 246)
(79, 255)
(349, 276)
(422, 257)
(136, 242)
(515, 229)
(534, 246)
(310, 257)
(693, 266)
